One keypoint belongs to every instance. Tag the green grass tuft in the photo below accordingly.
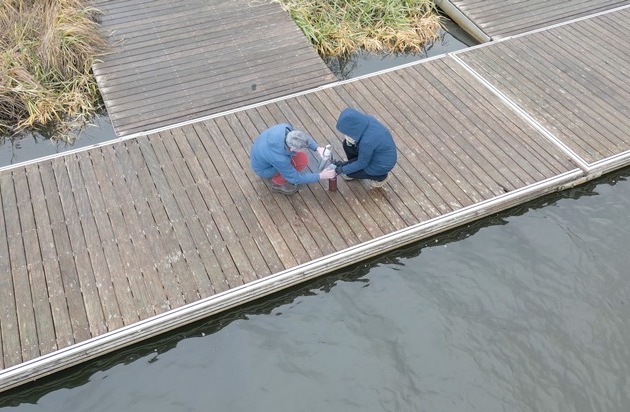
(341, 27)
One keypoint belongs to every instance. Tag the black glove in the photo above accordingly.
(339, 163)
(338, 170)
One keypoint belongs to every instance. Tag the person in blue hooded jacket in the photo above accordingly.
(369, 147)
(278, 154)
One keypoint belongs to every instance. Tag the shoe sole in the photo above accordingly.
(377, 184)
(283, 192)
(348, 178)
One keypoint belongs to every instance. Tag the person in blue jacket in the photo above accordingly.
(279, 154)
(369, 147)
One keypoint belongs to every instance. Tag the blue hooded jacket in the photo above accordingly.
(270, 155)
(376, 147)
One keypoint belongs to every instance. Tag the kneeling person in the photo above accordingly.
(278, 154)
(369, 148)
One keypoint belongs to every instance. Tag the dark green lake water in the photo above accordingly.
(525, 311)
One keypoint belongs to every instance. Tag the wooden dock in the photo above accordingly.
(497, 19)
(105, 247)
(174, 62)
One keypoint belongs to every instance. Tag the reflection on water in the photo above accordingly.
(528, 310)
(451, 38)
(33, 146)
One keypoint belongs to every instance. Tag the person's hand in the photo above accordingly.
(327, 174)
(320, 151)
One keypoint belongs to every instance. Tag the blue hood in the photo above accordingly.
(352, 123)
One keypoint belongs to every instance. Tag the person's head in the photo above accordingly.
(352, 123)
(296, 140)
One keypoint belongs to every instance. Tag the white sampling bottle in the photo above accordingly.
(326, 158)
(327, 162)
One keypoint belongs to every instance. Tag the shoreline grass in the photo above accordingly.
(46, 80)
(342, 27)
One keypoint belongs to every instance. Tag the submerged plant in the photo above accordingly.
(47, 50)
(341, 27)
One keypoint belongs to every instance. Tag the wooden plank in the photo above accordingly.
(21, 285)
(163, 209)
(170, 254)
(109, 178)
(162, 171)
(255, 125)
(45, 328)
(375, 219)
(133, 165)
(85, 280)
(231, 93)
(593, 118)
(605, 64)
(148, 279)
(320, 202)
(422, 175)
(408, 211)
(220, 231)
(318, 122)
(478, 137)
(52, 272)
(187, 196)
(213, 192)
(291, 214)
(158, 14)
(329, 103)
(428, 148)
(67, 267)
(84, 185)
(145, 48)
(463, 155)
(279, 111)
(211, 78)
(594, 95)
(235, 204)
(239, 159)
(452, 158)
(289, 108)
(513, 77)
(11, 344)
(511, 17)
(109, 222)
(533, 147)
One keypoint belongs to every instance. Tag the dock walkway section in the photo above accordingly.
(173, 62)
(105, 247)
(488, 20)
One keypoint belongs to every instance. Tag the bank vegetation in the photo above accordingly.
(342, 27)
(47, 48)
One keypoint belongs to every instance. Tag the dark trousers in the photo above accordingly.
(352, 154)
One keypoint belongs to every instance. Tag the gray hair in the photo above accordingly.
(296, 140)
